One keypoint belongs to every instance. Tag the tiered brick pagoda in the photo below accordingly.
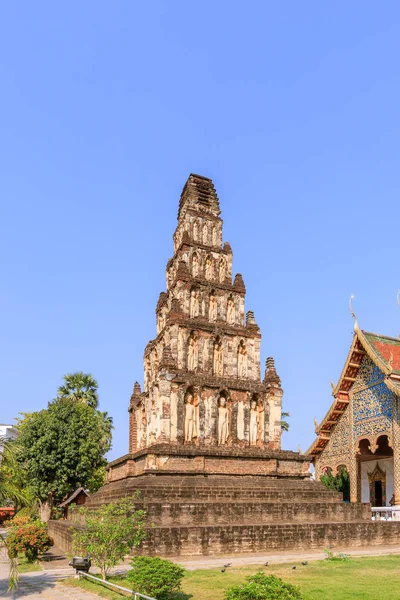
(204, 442)
(203, 400)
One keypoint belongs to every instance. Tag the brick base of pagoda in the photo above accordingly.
(196, 510)
(209, 460)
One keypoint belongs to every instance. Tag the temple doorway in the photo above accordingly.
(377, 486)
(378, 494)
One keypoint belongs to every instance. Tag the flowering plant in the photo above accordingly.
(31, 539)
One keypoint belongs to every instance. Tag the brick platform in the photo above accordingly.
(201, 516)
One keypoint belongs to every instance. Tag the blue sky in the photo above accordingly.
(291, 108)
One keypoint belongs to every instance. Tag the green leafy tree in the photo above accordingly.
(63, 448)
(80, 387)
(109, 533)
(339, 482)
(261, 587)
(155, 576)
(284, 422)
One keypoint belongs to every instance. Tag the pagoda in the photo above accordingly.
(203, 396)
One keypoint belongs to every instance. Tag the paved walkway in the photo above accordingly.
(41, 585)
(47, 584)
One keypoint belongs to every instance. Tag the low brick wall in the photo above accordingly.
(61, 532)
(244, 539)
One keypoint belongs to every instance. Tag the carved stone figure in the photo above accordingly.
(205, 233)
(240, 421)
(230, 312)
(194, 304)
(208, 269)
(242, 360)
(223, 421)
(205, 354)
(190, 419)
(140, 415)
(218, 359)
(222, 268)
(192, 353)
(214, 236)
(195, 231)
(254, 423)
(153, 422)
(147, 372)
(195, 265)
(212, 308)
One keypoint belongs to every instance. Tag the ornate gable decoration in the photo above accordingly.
(384, 352)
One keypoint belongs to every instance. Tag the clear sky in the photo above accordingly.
(292, 108)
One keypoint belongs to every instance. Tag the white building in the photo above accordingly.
(8, 432)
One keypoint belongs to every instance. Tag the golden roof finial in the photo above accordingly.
(299, 449)
(352, 312)
(332, 384)
(316, 425)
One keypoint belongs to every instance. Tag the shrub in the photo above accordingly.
(264, 587)
(30, 539)
(155, 576)
(110, 532)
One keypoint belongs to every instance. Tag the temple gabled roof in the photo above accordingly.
(387, 350)
(384, 351)
(199, 193)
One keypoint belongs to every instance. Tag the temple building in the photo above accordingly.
(360, 431)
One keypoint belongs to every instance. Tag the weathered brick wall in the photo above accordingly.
(61, 532)
(242, 539)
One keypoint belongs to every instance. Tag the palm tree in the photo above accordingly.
(80, 387)
(284, 423)
(12, 491)
(12, 482)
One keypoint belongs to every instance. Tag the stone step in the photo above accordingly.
(220, 495)
(215, 489)
(208, 540)
(226, 513)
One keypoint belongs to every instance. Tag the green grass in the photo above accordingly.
(369, 578)
(25, 567)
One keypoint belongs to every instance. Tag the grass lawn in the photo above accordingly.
(25, 567)
(369, 578)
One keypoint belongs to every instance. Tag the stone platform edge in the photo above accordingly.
(169, 459)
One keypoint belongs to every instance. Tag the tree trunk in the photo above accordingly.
(46, 508)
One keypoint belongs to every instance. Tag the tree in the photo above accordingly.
(339, 482)
(109, 533)
(63, 448)
(13, 487)
(284, 423)
(79, 387)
